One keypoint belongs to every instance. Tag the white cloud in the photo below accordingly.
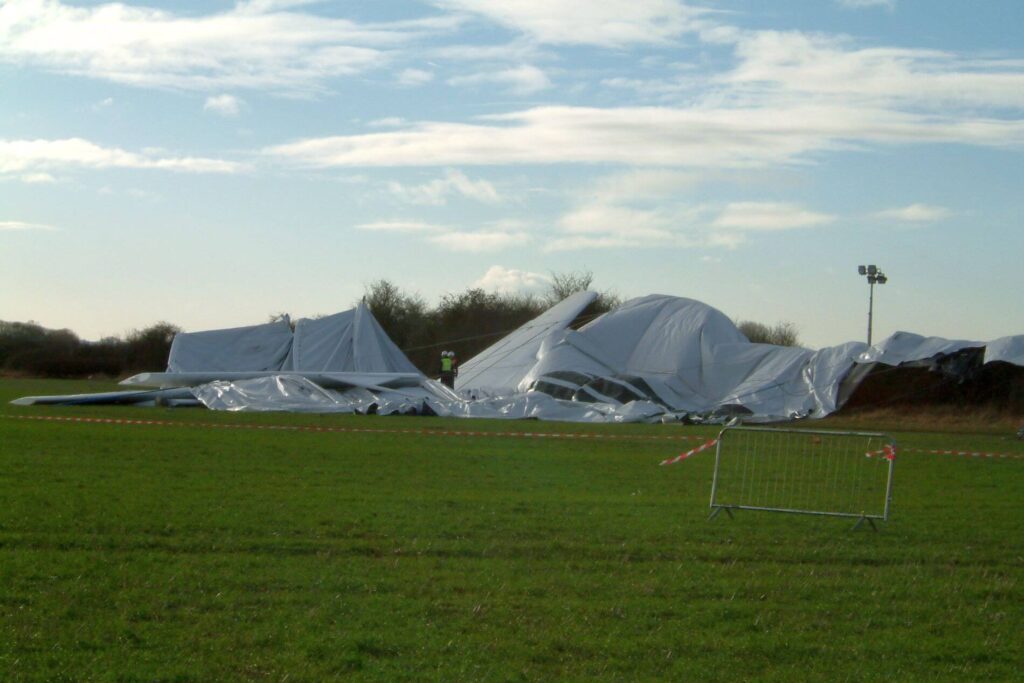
(22, 226)
(609, 23)
(861, 4)
(522, 80)
(401, 227)
(480, 241)
(602, 224)
(726, 240)
(255, 45)
(580, 242)
(768, 216)
(516, 51)
(642, 209)
(640, 225)
(225, 105)
(414, 77)
(258, 6)
(777, 69)
(387, 122)
(32, 157)
(510, 280)
(643, 184)
(495, 237)
(791, 96)
(649, 136)
(38, 178)
(437, 191)
(916, 213)
(788, 66)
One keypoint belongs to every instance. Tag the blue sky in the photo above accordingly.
(213, 163)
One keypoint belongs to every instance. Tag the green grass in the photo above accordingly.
(189, 553)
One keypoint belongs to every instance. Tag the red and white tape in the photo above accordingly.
(356, 430)
(888, 452)
(935, 451)
(449, 432)
(969, 454)
(683, 456)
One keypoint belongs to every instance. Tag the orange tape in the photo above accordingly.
(356, 430)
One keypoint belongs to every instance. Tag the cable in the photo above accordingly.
(448, 342)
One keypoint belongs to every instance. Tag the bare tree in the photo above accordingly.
(564, 285)
(403, 316)
(780, 334)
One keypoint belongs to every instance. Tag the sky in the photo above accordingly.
(213, 163)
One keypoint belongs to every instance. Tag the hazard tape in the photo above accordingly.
(888, 452)
(449, 432)
(356, 430)
(927, 451)
(970, 454)
(683, 456)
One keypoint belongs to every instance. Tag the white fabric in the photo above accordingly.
(505, 363)
(288, 393)
(903, 347)
(653, 358)
(297, 394)
(688, 357)
(1006, 349)
(257, 347)
(294, 393)
(322, 343)
(350, 341)
(328, 380)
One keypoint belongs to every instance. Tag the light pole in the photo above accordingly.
(874, 275)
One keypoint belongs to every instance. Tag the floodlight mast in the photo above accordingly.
(874, 276)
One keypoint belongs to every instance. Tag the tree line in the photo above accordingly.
(31, 349)
(465, 322)
(470, 321)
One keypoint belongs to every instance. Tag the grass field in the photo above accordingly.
(191, 553)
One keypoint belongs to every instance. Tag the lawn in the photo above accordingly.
(186, 552)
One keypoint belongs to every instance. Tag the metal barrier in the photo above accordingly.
(837, 474)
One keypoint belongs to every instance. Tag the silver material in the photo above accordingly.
(822, 461)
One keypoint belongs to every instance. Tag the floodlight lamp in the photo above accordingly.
(882, 279)
(872, 270)
(861, 270)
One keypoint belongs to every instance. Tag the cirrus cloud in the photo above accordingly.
(36, 157)
(650, 136)
(609, 23)
(784, 66)
(861, 4)
(437, 191)
(401, 227)
(525, 79)
(22, 226)
(225, 105)
(254, 45)
(915, 213)
(768, 216)
(493, 238)
(479, 241)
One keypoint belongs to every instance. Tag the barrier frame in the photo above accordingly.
(888, 452)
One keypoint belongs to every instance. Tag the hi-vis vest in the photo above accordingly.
(446, 364)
